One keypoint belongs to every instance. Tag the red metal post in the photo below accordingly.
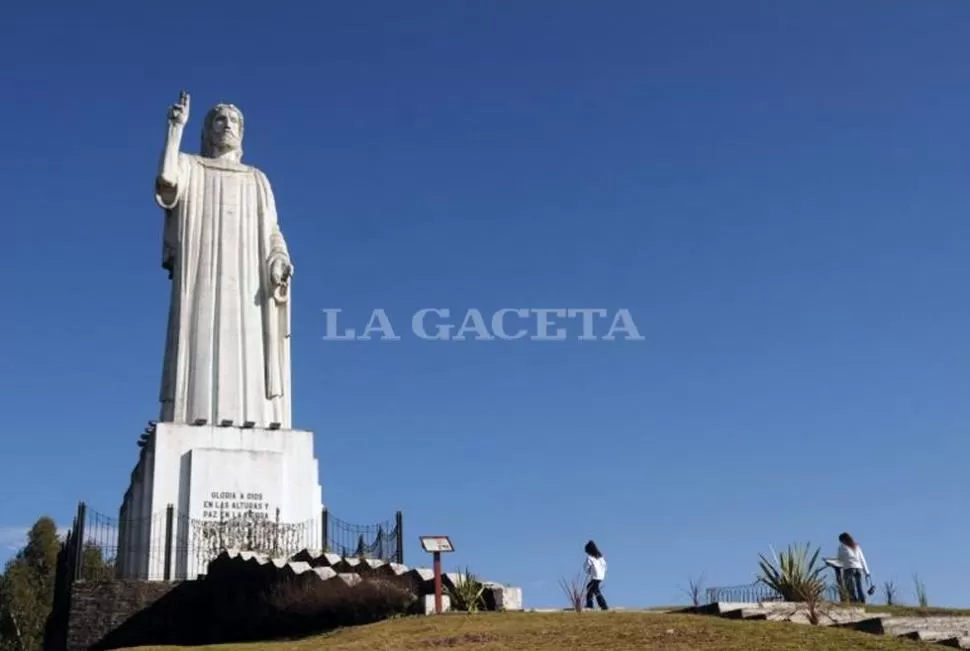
(437, 582)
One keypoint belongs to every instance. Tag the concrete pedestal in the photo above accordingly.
(199, 490)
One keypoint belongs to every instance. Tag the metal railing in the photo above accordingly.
(169, 545)
(757, 592)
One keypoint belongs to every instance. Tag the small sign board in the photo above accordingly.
(437, 544)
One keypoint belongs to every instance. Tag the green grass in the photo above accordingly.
(916, 611)
(614, 631)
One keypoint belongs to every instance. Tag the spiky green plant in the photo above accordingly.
(468, 592)
(797, 574)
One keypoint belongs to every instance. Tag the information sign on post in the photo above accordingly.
(436, 545)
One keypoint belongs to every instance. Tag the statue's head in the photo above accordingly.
(222, 131)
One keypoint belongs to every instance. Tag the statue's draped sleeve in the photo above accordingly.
(167, 199)
(276, 316)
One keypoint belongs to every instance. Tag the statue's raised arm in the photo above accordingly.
(166, 185)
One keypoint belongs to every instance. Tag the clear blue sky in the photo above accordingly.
(779, 192)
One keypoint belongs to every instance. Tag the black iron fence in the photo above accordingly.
(384, 540)
(172, 546)
(757, 592)
(69, 568)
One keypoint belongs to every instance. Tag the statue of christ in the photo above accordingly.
(227, 356)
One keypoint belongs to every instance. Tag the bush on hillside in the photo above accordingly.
(796, 574)
(468, 592)
(575, 591)
(302, 607)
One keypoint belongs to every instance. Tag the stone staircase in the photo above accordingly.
(951, 632)
(325, 566)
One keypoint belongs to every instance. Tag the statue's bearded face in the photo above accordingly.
(225, 130)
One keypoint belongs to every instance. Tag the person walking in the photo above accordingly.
(853, 567)
(595, 567)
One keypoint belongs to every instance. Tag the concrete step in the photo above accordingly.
(778, 611)
(746, 613)
(716, 608)
(872, 624)
(795, 612)
(960, 624)
(930, 629)
(928, 636)
(941, 631)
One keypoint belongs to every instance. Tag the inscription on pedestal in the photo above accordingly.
(223, 505)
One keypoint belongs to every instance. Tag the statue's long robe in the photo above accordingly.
(227, 349)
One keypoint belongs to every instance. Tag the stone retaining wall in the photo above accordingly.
(99, 608)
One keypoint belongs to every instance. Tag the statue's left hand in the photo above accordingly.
(280, 272)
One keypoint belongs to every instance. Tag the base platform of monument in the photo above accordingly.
(198, 490)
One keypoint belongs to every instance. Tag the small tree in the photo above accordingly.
(695, 587)
(11, 638)
(889, 590)
(27, 587)
(94, 565)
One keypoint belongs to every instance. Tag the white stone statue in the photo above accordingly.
(227, 353)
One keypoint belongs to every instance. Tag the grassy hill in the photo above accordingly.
(613, 631)
(917, 611)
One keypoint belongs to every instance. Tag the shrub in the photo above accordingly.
(889, 589)
(307, 606)
(467, 593)
(695, 588)
(921, 597)
(794, 575)
(575, 591)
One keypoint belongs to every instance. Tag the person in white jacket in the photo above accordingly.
(595, 567)
(854, 566)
